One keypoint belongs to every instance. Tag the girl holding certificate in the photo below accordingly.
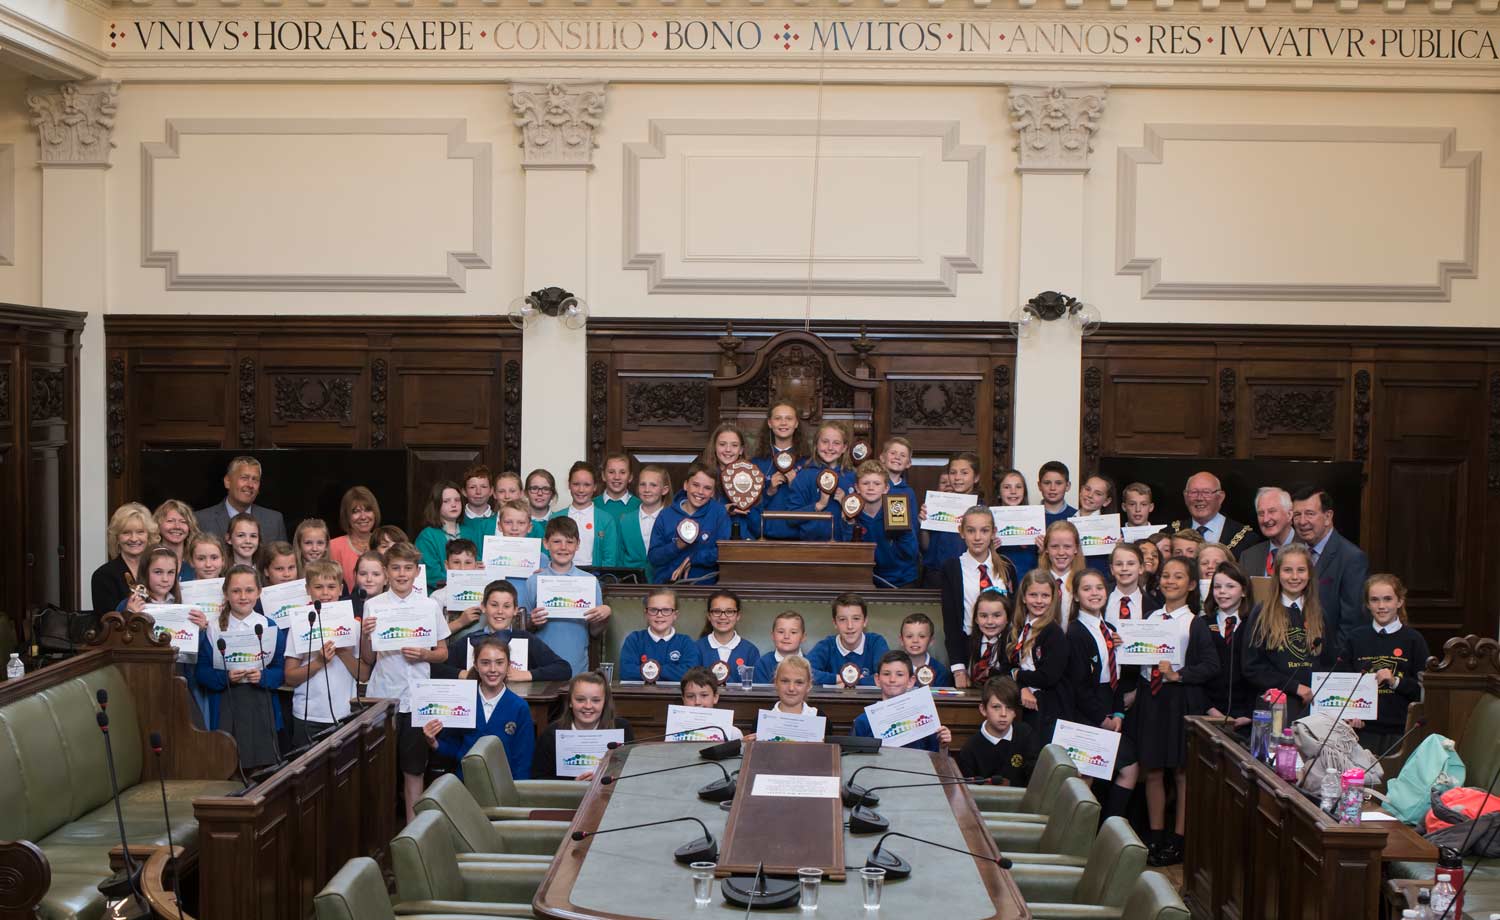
(1100, 687)
(1165, 694)
(1395, 653)
(591, 706)
(241, 700)
(158, 575)
(1014, 492)
(1288, 639)
(1039, 654)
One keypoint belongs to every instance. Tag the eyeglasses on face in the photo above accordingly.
(660, 611)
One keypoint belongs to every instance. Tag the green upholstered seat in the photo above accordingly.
(1066, 837)
(357, 892)
(487, 774)
(431, 880)
(1154, 898)
(1034, 802)
(476, 837)
(1098, 889)
(56, 790)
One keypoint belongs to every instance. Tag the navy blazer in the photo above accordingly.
(1342, 569)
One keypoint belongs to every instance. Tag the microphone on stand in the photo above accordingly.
(896, 867)
(116, 886)
(717, 791)
(704, 849)
(312, 652)
(1392, 749)
(327, 686)
(865, 820)
(854, 794)
(260, 632)
(167, 815)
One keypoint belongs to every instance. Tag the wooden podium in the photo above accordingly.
(756, 832)
(778, 563)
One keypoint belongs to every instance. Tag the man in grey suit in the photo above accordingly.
(1341, 566)
(242, 483)
(1273, 516)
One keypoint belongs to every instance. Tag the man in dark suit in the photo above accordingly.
(1341, 566)
(1273, 516)
(242, 483)
(1204, 496)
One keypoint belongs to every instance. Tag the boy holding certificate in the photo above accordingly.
(497, 711)
(895, 678)
(568, 637)
(397, 668)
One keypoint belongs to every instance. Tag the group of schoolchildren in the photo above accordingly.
(1033, 628)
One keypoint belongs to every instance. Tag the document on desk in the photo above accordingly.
(796, 787)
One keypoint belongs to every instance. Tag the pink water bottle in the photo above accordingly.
(1286, 757)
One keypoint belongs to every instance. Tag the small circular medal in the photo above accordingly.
(650, 671)
(720, 671)
(860, 451)
(828, 482)
(849, 674)
(852, 506)
(925, 675)
(687, 531)
(784, 461)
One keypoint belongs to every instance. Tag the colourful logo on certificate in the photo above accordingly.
(234, 658)
(406, 632)
(897, 729)
(512, 561)
(1148, 648)
(697, 734)
(468, 595)
(1100, 539)
(1020, 530)
(438, 710)
(322, 634)
(582, 760)
(1336, 701)
(1079, 755)
(943, 517)
(576, 603)
(175, 635)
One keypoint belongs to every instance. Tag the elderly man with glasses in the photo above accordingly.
(1204, 496)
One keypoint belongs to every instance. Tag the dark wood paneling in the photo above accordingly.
(1420, 408)
(38, 459)
(947, 388)
(448, 388)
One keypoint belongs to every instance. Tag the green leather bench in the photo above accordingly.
(478, 837)
(1096, 891)
(54, 787)
(1065, 838)
(430, 879)
(1034, 802)
(487, 775)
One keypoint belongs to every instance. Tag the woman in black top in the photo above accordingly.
(590, 706)
(131, 532)
(1395, 653)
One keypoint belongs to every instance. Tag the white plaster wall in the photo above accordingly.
(20, 198)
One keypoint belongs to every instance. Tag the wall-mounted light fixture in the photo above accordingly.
(549, 301)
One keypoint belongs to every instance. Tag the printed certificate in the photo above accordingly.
(1019, 525)
(1093, 750)
(512, 557)
(451, 702)
(580, 752)
(945, 509)
(901, 720)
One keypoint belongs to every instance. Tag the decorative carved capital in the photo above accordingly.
(1055, 126)
(557, 121)
(74, 122)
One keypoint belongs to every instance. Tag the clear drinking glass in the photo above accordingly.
(607, 668)
(747, 677)
(811, 880)
(873, 880)
(703, 883)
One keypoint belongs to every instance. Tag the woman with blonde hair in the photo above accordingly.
(131, 530)
(175, 522)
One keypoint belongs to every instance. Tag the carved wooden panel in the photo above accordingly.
(1154, 410)
(448, 387)
(934, 404)
(652, 402)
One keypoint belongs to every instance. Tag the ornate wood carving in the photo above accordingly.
(48, 392)
(5, 394)
(1362, 415)
(1467, 653)
(666, 402)
(247, 402)
(314, 398)
(1226, 411)
(1000, 424)
(114, 398)
(379, 373)
(1093, 381)
(511, 457)
(1493, 447)
(598, 409)
(946, 404)
(1279, 410)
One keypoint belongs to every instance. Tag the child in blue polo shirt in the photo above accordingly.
(659, 641)
(850, 643)
(787, 632)
(895, 457)
(895, 549)
(894, 677)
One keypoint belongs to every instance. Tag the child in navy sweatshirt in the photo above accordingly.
(850, 644)
(660, 641)
(896, 549)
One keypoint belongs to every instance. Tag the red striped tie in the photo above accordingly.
(1113, 670)
(984, 578)
(1155, 681)
(1229, 624)
(1025, 631)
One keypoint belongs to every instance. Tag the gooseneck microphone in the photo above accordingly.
(117, 887)
(615, 745)
(704, 849)
(854, 794)
(896, 867)
(260, 633)
(327, 685)
(717, 791)
(102, 696)
(167, 816)
(1392, 749)
(313, 652)
(865, 820)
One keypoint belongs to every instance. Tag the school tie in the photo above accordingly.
(984, 578)
(1124, 608)
(1021, 641)
(1229, 624)
(1155, 680)
(982, 666)
(1059, 587)
(1113, 671)
(1296, 607)
(1271, 561)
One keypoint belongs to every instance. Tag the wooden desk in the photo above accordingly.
(755, 834)
(775, 563)
(646, 707)
(1402, 842)
(632, 874)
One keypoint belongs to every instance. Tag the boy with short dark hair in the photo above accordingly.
(916, 640)
(850, 643)
(894, 677)
(1005, 748)
(1053, 482)
(479, 512)
(568, 637)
